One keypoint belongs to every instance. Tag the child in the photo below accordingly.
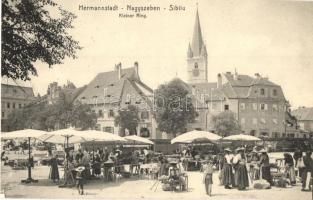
(80, 180)
(208, 177)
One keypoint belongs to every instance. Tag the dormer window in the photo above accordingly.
(111, 84)
(274, 92)
(83, 98)
(262, 91)
(97, 86)
(108, 95)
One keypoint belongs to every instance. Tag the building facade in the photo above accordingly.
(13, 97)
(115, 90)
(259, 105)
(304, 117)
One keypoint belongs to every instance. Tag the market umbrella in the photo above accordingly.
(69, 135)
(241, 137)
(138, 139)
(196, 136)
(26, 133)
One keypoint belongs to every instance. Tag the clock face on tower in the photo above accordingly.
(195, 71)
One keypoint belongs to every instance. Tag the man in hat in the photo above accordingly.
(208, 176)
(80, 179)
(308, 169)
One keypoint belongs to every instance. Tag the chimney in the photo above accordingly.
(118, 68)
(219, 80)
(236, 75)
(257, 75)
(136, 68)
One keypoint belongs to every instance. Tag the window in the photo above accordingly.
(196, 65)
(263, 106)
(144, 115)
(275, 107)
(108, 129)
(100, 113)
(255, 106)
(243, 120)
(255, 121)
(275, 121)
(226, 107)
(263, 121)
(19, 105)
(111, 113)
(2, 114)
(242, 106)
(262, 91)
(8, 105)
(274, 92)
(13, 105)
(276, 135)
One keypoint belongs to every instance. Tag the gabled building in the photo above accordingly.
(304, 118)
(259, 104)
(111, 91)
(13, 97)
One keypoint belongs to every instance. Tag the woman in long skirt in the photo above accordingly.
(242, 179)
(54, 170)
(227, 177)
(265, 166)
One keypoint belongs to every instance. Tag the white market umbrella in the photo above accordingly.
(196, 136)
(241, 137)
(94, 135)
(26, 133)
(62, 136)
(138, 139)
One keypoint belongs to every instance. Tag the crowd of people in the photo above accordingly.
(237, 169)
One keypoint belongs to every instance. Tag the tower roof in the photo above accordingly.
(197, 41)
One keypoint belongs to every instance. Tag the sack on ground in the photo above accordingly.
(282, 182)
(166, 187)
(261, 184)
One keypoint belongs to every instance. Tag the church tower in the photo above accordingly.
(197, 58)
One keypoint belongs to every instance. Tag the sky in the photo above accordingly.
(270, 37)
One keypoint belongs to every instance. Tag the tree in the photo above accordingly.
(56, 116)
(226, 124)
(174, 108)
(127, 119)
(30, 34)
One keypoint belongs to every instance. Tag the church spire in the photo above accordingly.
(197, 41)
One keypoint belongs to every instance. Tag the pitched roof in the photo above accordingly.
(244, 86)
(197, 41)
(106, 87)
(17, 92)
(303, 113)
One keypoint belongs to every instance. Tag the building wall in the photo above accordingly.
(13, 98)
(257, 119)
(201, 68)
